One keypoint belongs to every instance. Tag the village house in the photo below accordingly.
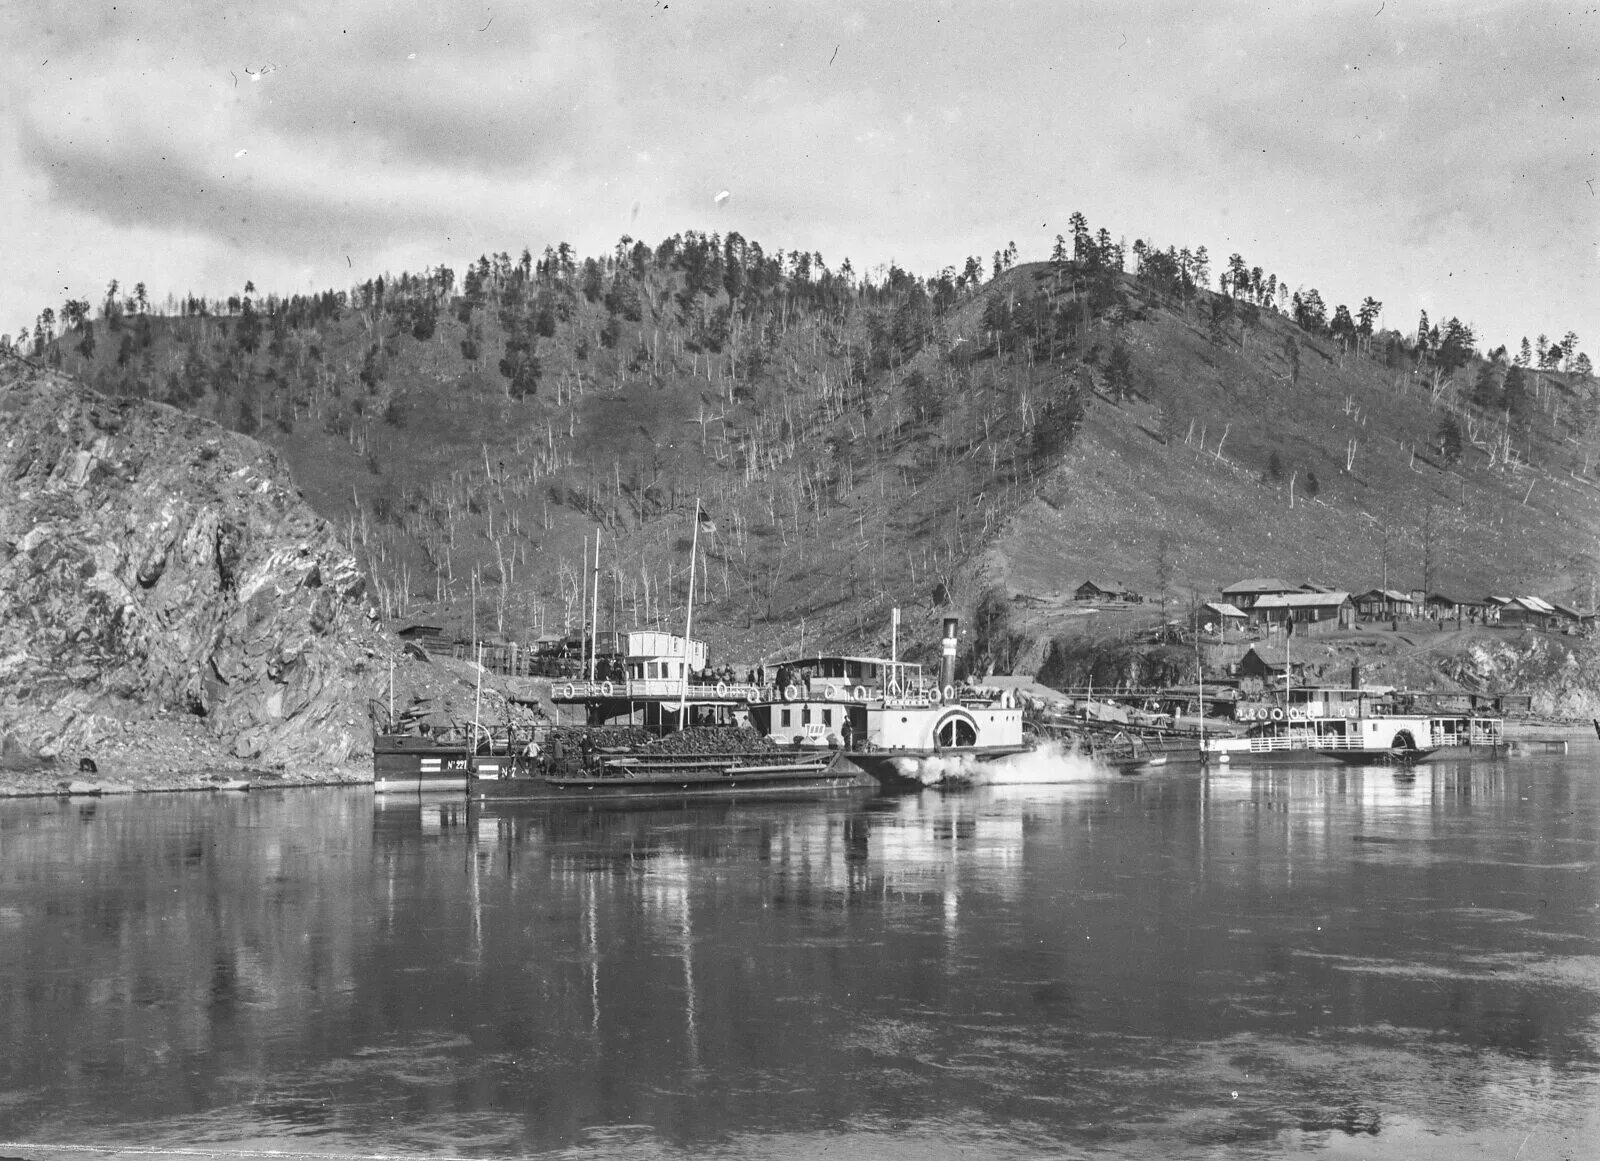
(1307, 612)
(1104, 590)
(1442, 607)
(1570, 619)
(1244, 594)
(1384, 604)
(1533, 612)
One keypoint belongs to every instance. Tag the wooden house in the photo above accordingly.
(1384, 604)
(1440, 606)
(1570, 618)
(1105, 590)
(1244, 594)
(1533, 612)
(1306, 612)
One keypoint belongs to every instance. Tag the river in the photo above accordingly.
(1309, 960)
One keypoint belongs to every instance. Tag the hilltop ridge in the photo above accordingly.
(865, 444)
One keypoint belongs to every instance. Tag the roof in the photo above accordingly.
(1301, 600)
(1569, 612)
(1277, 666)
(1537, 604)
(1223, 609)
(1106, 586)
(1386, 594)
(1260, 584)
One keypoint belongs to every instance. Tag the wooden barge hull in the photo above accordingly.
(410, 764)
(640, 778)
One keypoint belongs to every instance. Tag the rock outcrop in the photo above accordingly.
(168, 602)
(1561, 674)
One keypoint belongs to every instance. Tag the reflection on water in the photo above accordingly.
(1316, 959)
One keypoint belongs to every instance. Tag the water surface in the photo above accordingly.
(1313, 960)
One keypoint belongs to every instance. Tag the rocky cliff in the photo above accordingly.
(169, 605)
(1561, 674)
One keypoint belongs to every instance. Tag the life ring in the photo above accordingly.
(566, 691)
(950, 693)
(790, 692)
(1277, 714)
(605, 688)
(859, 693)
(833, 692)
(933, 695)
(722, 689)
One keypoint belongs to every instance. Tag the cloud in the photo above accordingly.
(1332, 146)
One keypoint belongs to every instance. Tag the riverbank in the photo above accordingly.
(160, 753)
(56, 781)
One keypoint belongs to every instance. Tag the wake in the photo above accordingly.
(1051, 763)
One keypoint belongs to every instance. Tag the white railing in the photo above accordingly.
(656, 687)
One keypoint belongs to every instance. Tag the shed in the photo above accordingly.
(1253, 664)
(1224, 615)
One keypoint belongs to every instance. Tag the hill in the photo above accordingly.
(865, 443)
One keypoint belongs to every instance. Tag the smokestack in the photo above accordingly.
(1355, 675)
(947, 656)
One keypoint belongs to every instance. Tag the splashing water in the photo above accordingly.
(1050, 763)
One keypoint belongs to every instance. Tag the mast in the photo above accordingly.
(894, 647)
(1288, 631)
(688, 618)
(477, 703)
(594, 607)
(583, 608)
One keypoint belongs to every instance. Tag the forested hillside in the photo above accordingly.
(991, 435)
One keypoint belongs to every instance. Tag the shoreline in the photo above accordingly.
(45, 782)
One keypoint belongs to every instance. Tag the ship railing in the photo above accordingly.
(658, 687)
(1304, 740)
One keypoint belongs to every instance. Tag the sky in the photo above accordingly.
(1438, 157)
